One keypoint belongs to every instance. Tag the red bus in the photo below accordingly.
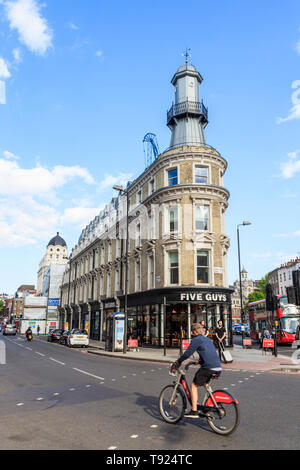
(286, 318)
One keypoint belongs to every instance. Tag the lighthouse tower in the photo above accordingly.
(188, 116)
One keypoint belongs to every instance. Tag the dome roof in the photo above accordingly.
(57, 240)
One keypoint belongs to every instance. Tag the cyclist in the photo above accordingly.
(208, 359)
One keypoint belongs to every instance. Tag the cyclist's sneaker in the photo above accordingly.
(192, 414)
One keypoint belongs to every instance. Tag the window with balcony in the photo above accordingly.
(173, 267)
(202, 267)
(201, 217)
(173, 177)
(201, 174)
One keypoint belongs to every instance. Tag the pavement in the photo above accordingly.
(248, 358)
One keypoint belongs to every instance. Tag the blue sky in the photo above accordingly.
(82, 82)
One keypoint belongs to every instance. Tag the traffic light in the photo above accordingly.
(269, 297)
(296, 284)
(291, 295)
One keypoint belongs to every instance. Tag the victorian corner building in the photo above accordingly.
(177, 245)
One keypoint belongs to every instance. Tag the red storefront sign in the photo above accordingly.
(133, 343)
(247, 342)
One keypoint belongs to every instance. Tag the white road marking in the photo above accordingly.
(30, 349)
(72, 389)
(20, 404)
(55, 360)
(134, 436)
(154, 426)
(87, 373)
(112, 448)
(56, 393)
(40, 354)
(40, 399)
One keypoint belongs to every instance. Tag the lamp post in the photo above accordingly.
(239, 256)
(122, 191)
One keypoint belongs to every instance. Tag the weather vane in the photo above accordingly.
(187, 55)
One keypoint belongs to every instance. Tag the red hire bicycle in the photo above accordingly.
(220, 407)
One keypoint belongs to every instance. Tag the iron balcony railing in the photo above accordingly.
(188, 107)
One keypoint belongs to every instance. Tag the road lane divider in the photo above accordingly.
(55, 360)
(88, 373)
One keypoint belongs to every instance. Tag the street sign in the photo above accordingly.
(268, 343)
(185, 344)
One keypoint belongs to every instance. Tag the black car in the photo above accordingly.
(54, 335)
(64, 337)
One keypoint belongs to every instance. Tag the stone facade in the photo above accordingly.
(177, 243)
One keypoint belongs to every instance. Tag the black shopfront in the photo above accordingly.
(160, 316)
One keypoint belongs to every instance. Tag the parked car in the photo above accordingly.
(64, 337)
(78, 338)
(54, 335)
(10, 330)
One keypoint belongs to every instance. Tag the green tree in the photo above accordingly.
(260, 292)
(1, 307)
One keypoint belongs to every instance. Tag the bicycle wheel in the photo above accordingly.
(171, 411)
(224, 419)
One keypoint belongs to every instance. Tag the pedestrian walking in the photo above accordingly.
(38, 330)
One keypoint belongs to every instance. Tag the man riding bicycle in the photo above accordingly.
(208, 359)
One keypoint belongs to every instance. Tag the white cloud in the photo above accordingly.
(79, 216)
(292, 166)
(295, 110)
(2, 92)
(38, 180)
(111, 180)
(10, 156)
(17, 55)
(4, 72)
(33, 29)
(36, 202)
(73, 26)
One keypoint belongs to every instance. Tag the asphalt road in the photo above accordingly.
(52, 397)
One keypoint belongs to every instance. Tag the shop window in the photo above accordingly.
(201, 174)
(173, 177)
(202, 267)
(201, 217)
(173, 267)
